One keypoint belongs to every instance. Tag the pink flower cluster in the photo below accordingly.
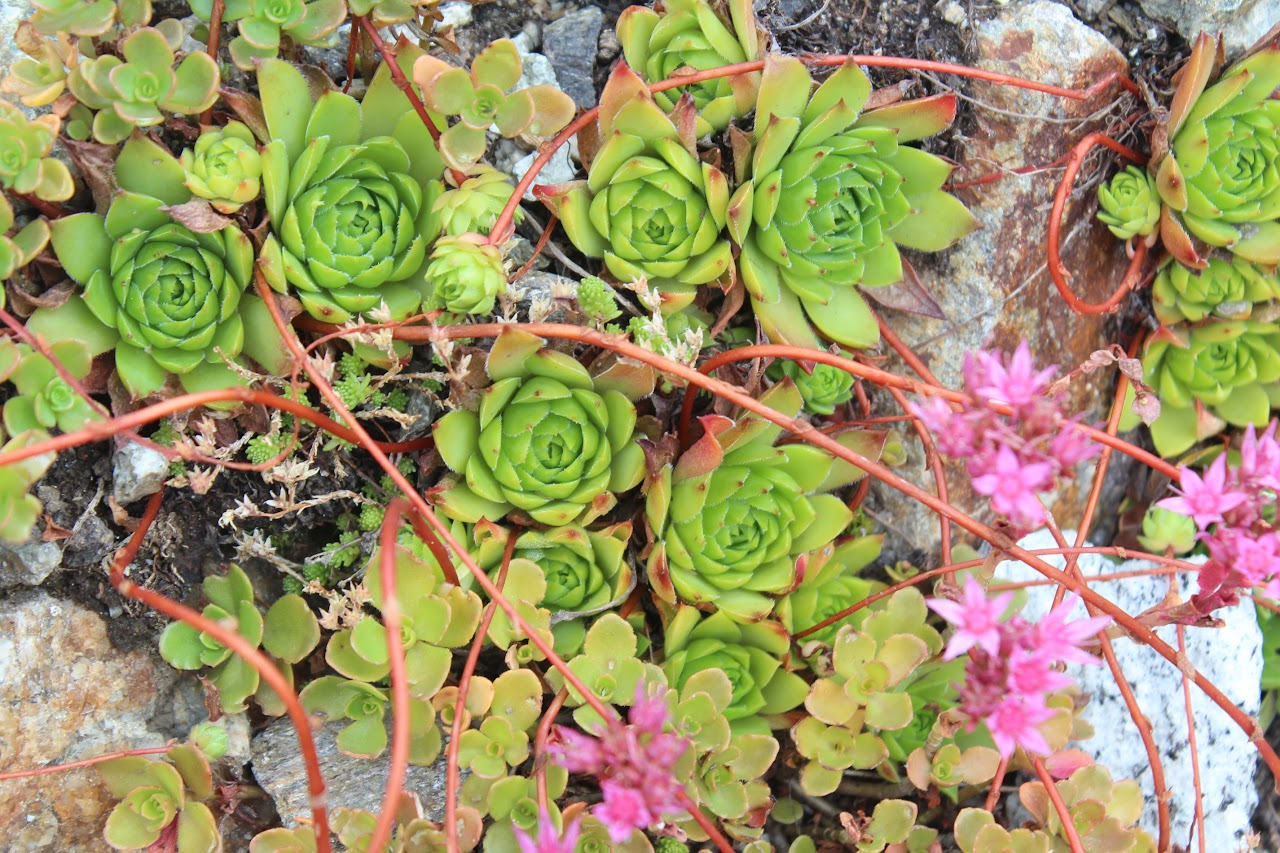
(548, 841)
(634, 764)
(1234, 507)
(1012, 459)
(1012, 667)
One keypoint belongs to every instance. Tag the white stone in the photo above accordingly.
(1241, 22)
(1230, 657)
(139, 472)
(559, 168)
(457, 14)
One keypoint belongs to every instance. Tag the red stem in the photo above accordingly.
(1055, 797)
(1057, 270)
(84, 762)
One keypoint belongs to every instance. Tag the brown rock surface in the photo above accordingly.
(994, 286)
(67, 694)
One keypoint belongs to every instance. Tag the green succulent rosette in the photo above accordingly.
(548, 439)
(829, 590)
(751, 655)
(1130, 204)
(737, 521)
(137, 90)
(1220, 177)
(1218, 373)
(44, 400)
(829, 194)
(688, 34)
(225, 167)
(1225, 288)
(169, 294)
(465, 275)
(25, 164)
(473, 207)
(823, 388)
(649, 207)
(350, 210)
(85, 18)
(263, 22)
(584, 569)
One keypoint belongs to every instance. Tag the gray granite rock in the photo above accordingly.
(1230, 657)
(353, 783)
(67, 693)
(28, 564)
(139, 472)
(1241, 22)
(993, 286)
(571, 44)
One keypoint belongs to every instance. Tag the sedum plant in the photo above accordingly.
(20, 249)
(43, 399)
(1104, 812)
(87, 18)
(19, 509)
(412, 832)
(262, 23)
(166, 295)
(1220, 372)
(737, 521)
(1225, 288)
(362, 708)
(1130, 204)
(689, 34)
(828, 194)
(482, 97)
(161, 798)
(39, 77)
(289, 632)
(473, 206)
(350, 210)
(224, 167)
(546, 440)
(1217, 164)
(649, 207)
(834, 587)
(25, 164)
(465, 275)
(137, 90)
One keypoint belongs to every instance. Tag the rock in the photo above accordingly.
(28, 564)
(139, 472)
(353, 783)
(1241, 22)
(1230, 657)
(550, 298)
(559, 169)
(68, 694)
(993, 286)
(571, 44)
(537, 71)
(456, 14)
(953, 13)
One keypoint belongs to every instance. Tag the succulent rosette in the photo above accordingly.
(1218, 373)
(737, 521)
(263, 22)
(823, 388)
(584, 569)
(465, 275)
(44, 400)
(649, 207)
(133, 91)
(20, 249)
(1219, 176)
(224, 167)
(350, 210)
(829, 194)
(751, 655)
(688, 34)
(1130, 204)
(25, 164)
(834, 587)
(1225, 288)
(474, 206)
(548, 439)
(169, 293)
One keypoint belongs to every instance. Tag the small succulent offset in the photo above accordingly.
(822, 386)
(171, 294)
(224, 167)
(41, 76)
(751, 655)
(350, 210)
(473, 206)
(20, 249)
(133, 92)
(649, 207)
(689, 34)
(25, 164)
(1219, 171)
(737, 521)
(1220, 372)
(465, 275)
(1130, 204)
(44, 400)
(827, 196)
(1229, 289)
(834, 587)
(546, 440)
(482, 98)
(263, 22)
(161, 798)
(289, 632)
